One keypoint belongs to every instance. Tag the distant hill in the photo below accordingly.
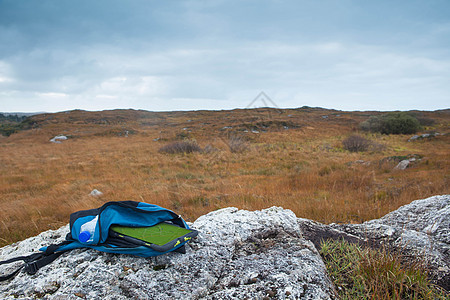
(21, 114)
(202, 123)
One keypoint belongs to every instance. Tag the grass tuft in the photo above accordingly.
(180, 147)
(360, 273)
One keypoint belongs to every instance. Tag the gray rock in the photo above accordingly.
(419, 230)
(58, 139)
(423, 136)
(402, 165)
(238, 254)
(96, 193)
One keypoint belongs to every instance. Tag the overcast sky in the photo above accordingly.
(189, 55)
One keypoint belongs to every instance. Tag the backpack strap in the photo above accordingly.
(35, 261)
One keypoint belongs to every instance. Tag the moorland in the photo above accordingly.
(247, 158)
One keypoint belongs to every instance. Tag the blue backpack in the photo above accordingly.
(93, 229)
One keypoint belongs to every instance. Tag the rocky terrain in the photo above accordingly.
(238, 254)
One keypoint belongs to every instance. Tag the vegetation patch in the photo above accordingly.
(360, 273)
(270, 125)
(356, 143)
(398, 158)
(392, 123)
(116, 132)
(237, 144)
(180, 147)
(10, 124)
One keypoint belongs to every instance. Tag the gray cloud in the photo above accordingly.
(220, 54)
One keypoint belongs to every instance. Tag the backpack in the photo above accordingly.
(93, 229)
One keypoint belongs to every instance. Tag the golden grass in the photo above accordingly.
(304, 169)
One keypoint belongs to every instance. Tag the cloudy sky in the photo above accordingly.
(188, 55)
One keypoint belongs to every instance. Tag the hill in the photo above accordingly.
(286, 157)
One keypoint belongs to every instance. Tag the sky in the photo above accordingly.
(191, 55)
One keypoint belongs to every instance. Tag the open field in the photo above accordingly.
(293, 158)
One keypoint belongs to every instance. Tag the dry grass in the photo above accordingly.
(364, 273)
(303, 168)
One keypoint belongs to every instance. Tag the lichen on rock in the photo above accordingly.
(238, 254)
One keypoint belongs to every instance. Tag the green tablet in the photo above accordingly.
(160, 237)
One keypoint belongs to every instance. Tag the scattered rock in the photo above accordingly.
(402, 165)
(406, 161)
(96, 193)
(423, 136)
(362, 162)
(58, 139)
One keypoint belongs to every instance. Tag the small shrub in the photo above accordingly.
(424, 121)
(180, 147)
(8, 129)
(325, 171)
(400, 123)
(392, 123)
(356, 143)
(237, 144)
(210, 149)
(182, 135)
(373, 124)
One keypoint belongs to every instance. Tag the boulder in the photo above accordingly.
(238, 254)
(58, 139)
(419, 230)
(402, 165)
(96, 193)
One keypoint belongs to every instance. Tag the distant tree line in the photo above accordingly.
(11, 118)
(10, 124)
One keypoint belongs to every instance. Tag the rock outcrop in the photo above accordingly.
(420, 229)
(238, 254)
